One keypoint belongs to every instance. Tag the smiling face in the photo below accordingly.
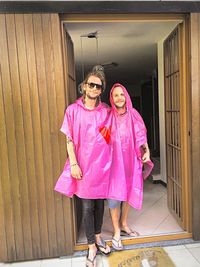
(93, 87)
(119, 98)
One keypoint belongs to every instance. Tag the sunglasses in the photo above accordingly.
(92, 85)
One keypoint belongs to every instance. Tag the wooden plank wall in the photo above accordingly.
(195, 89)
(35, 222)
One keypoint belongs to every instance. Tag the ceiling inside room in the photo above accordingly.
(131, 45)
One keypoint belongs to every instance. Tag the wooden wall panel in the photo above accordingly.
(4, 182)
(195, 90)
(9, 160)
(35, 221)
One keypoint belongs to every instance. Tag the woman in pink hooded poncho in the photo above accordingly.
(130, 161)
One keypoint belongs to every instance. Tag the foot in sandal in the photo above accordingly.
(117, 243)
(102, 247)
(91, 257)
(126, 231)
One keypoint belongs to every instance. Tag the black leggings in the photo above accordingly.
(93, 210)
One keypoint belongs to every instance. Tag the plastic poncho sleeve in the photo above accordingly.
(66, 127)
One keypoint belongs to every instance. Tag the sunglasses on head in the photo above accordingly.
(92, 85)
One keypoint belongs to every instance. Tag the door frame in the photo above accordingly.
(67, 18)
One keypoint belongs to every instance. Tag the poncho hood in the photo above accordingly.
(99, 107)
(129, 105)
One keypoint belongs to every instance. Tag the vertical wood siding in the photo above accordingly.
(195, 89)
(35, 222)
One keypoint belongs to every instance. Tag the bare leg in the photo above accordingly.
(123, 221)
(116, 240)
(124, 215)
(115, 220)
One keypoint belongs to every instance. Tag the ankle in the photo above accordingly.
(124, 225)
(98, 238)
(117, 234)
(92, 247)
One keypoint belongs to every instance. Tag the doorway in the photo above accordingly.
(139, 65)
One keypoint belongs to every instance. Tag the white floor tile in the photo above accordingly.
(78, 264)
(195, 245)
(56, 262)
(26, 264)
(173, 248)
(195, 251)
(105, 262)
(79, 259)
(68, 262)
(183, 258)
(168, 225)
(99, 261)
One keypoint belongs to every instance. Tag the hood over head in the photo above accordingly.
(128, 104)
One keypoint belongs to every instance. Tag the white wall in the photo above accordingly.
(161, 111)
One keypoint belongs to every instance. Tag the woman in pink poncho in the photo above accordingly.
(86, 172)
(130, 162)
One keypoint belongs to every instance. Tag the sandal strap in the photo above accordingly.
(91, 261)
(102, 243)
(130, 232)
(117, 241)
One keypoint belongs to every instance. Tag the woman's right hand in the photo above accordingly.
(76, 172)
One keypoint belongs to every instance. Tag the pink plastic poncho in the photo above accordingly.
(128, 133)
(90, 136)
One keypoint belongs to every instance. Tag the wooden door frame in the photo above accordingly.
(100, 7)
(67, 101)
(195, 119)
(67, 18)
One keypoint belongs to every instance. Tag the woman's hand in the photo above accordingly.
(76, 171)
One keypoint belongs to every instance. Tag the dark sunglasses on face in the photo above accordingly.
(92, 85)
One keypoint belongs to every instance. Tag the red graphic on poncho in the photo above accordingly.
(105, 133)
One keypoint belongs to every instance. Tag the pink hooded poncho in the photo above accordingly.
(128, 133)
(91, 138)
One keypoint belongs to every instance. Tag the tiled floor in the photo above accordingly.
(182, 256)
(154, 211)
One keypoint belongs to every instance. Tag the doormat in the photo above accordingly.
(144, 257)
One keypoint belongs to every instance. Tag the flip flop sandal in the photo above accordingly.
(134, 233)
(89, 262)
(102, 245)
(117, 247)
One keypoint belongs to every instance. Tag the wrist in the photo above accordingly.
(73, 164)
